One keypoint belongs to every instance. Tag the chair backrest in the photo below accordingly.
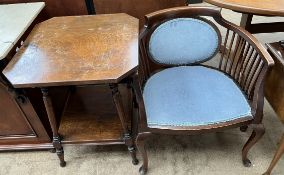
(184, 41)
(243, 58)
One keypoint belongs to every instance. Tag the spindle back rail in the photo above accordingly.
(241, 57)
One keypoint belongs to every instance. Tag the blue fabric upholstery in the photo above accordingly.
(183, 41)
(193, 96)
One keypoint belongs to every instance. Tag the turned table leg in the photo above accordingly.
(122, 116)
(277, 156)
(56, 141)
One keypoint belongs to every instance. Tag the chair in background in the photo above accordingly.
(177, 94)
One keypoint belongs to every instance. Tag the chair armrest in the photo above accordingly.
(246, 60)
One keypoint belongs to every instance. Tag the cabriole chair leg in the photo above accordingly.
(140, 143)
(132, 151)
(257, 133)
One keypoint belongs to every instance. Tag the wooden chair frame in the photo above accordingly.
(243, 58)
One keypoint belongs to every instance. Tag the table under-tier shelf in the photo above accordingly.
(90, 117)
(81, 53)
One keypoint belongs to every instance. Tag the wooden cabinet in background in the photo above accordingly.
(136, 8)
(20, 126)
(57, 7)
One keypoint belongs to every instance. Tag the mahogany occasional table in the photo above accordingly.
(255, 7)
(74, 52)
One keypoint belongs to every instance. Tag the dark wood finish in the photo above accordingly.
(21, 127)
(57, 7)
(274, 82)
(123, 115)
(274, 93)
(90, 7)
(252, 7)
(76, 51)
(56, 140)
(53, 8)
(243, 59)
(266, 27)
(265, 7)
(99, 122)
(136, 8)
(47, 145)
(19, 123)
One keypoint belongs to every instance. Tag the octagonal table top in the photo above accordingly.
(77, 50)
(257, 7)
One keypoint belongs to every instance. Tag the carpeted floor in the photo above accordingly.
(208, 154)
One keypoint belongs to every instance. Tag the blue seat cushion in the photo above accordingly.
(193, 96)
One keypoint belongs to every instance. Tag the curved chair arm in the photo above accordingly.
(140, 101)
(252, 60)
(249, 38)
(243, 57)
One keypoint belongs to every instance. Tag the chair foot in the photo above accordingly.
(59, 150)
(244, 128)
(247, 163)
(132, 152)
(135, 162)
(142, 170)
(60, 154)
(257, 133)
(63, 164)
(140, 143)
(53, 150)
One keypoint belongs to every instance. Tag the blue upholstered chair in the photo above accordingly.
(178, 93)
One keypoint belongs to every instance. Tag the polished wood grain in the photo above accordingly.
(93, 116)
(274, 92)
(98, 123)
(67, 52)
(253, 7)
(263, 7)
(274, 89)
(76, 50)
